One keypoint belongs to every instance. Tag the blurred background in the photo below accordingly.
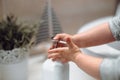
(71, 13)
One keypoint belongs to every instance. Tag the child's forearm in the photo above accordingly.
(89, 64)
(100, 34)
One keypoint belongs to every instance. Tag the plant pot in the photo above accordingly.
(14, 64)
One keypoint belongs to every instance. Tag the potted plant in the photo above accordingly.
(15, 41)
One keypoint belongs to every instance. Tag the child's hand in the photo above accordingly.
(64, 53)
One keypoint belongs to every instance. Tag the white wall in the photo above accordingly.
(71, 13)
(75, 13)
(25, 9)
(1, 9)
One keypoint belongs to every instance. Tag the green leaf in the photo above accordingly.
(14, 34)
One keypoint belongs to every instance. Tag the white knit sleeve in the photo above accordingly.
(110, 69)
(115, 27)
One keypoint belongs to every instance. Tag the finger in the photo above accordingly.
(57, 37)
(70, 43)
(54, 55)
(60, 36)
(56, 50)
(52, 51)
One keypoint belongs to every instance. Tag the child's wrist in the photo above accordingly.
(76, 56)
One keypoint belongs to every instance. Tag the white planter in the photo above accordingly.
(13, 64)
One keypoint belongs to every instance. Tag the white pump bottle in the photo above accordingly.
(55, 70)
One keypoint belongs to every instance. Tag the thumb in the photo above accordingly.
(70, 43)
